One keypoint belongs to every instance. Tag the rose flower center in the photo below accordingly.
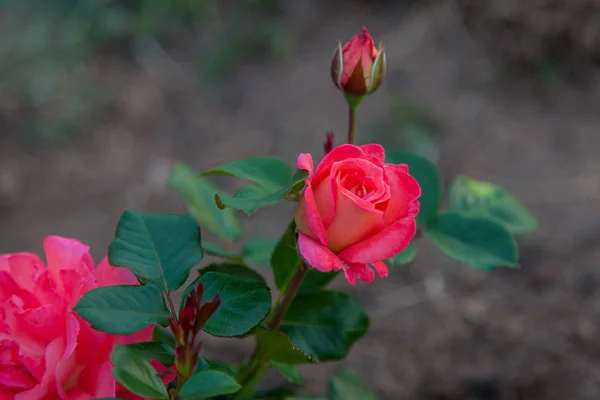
(361, 186)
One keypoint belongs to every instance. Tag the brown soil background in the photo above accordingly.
(440, 331)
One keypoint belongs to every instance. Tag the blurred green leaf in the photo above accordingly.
(208, 383)
(276, 346)
(291, 373)
(259, 251)
(205, 364)
(406, 256)
(285, 259)
(136, 374)
(474, 241)
(484, 199)
(346, 385)
(199, 196)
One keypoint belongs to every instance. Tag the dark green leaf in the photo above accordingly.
(276, 346)
(259, 251)
(159, 248)
(305, 397)
(215, 249)
(208, 384)
(474, 241)
(290, 372)
(268, 172)
(199, 196)
(152, 351)
(245, 303)
(204, 364)
(285, 259)
(163, 335)
(317, 280)
(236, 270)
(488, 200)
(136, 374)
(406, 256)
(325, 324)
(298, 180)
(347, 386)
(429, 179)
(122, 310)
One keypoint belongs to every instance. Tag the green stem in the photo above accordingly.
(352, 116)
(248, 377)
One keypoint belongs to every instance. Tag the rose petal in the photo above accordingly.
(338, 153)
(67, 365)
(381, 268)
(305, 162)
(317, 255)
(376, 150)
(107, 275)
(67, 254)
(404, 192)
(350, 276)
(363, 272)
(308, 219)
(383, 245)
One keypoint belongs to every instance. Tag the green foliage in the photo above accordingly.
(246, 300)
(122, 310)
(474, 241)
(273, 181)
(291, 373)
(429, 179)
(208, 383)
(160, 249)
(325, 324)
(136, 374)
(152, 351)
(199, 196)
(258, 251)
(285, 259)
(276, 346)
(406, 256)
(487, 200)
(346, 385)
(204, 364)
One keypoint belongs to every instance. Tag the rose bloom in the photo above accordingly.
(356, 211)
(46, 350)
(358, 67)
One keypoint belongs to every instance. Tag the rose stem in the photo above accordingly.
(352, 116)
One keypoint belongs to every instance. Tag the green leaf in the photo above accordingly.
(305, 397)
(317, 280)
(245, 302)
(163, 335)
(136, 374)
(199, 196)
(298, 181)
(204, 364)
(215, 249)
(285, 259)
(276, 346)
(347, 386)
(488, 200)
(159, 248)
(209, 383)
(267, 172)
(429, 179)
(325, 324)
(236, 270)
(406, 256)
(474, 241)
(152, 351)
(291, 373)
(273, 181)
(259, 251)
(123, 310)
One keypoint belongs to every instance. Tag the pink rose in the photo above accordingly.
(356, 211)
(46, 350)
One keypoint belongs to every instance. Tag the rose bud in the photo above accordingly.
(355, 211)
(358, 68)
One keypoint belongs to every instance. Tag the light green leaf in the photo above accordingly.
(259, 251)
(137, 374)
(215, 249)
(429, 179)
(291, 373)
(276, 346)
(159, 248)
(474, 241)
(285, 259)
(406, 256)
(208, 383)
(199, 196)
(347, 386)
(122, 310)
(267, 172)
(325, 324)
(484, 199)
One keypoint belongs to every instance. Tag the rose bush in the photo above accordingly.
(355, 211)
(46, 350)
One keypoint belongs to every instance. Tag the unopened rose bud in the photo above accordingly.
(358, 68)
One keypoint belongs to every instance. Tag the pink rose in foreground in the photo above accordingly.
(356, 211)
(46, 350)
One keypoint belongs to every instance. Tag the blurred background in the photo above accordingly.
(99, 98)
